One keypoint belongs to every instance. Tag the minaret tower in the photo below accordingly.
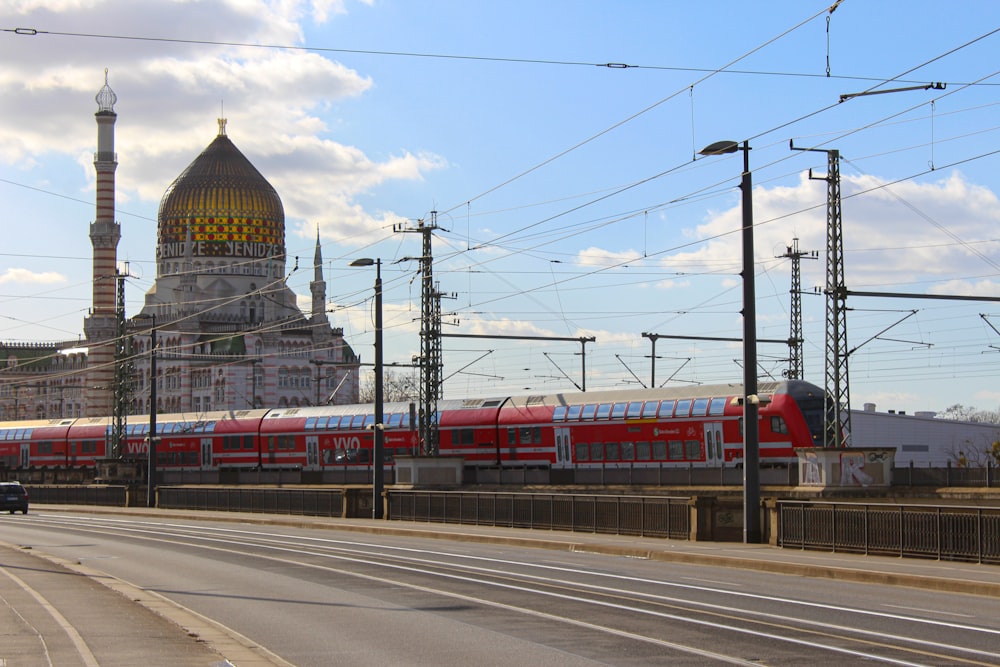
(318, 289)
(100, 327)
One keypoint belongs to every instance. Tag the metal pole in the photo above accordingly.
(151, 455)
(751, 443)
(377, 453)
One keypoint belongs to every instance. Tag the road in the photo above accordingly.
(326, 596)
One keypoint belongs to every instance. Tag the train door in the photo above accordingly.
(563, 448)
(206, 454)
(312, 452)
(714, 454)
(25, 455)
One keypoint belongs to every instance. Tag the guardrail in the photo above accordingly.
(644, 516)
(921, 531)
(112, 496)
(303, 502)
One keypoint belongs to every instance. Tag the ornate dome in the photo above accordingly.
(224, 206)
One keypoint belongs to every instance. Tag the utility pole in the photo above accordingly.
(796, 370)
(837, 422)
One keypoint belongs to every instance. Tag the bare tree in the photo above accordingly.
(960, 412)
(395, 387)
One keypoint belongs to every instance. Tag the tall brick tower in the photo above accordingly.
(100, 327)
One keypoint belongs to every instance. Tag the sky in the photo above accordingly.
(558, 144)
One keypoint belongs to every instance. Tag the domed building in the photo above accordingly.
(230, 334)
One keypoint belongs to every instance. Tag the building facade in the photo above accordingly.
(229, 334)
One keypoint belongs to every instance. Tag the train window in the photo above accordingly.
(683, 408)
(512, 436)
(611, 451)
(357, 421)
(45, 447)
(311, 424)
(628, 451)
(596, 451)
(718, 406)
(582, 451)
(248, 442)
(778, 425)
(666, 409)
(369, 421)
(574, 412)
(740, 422)
(618, 412)
(559, 414)
(659, 450)
(405, 422)
(394, 419)
(462, 436)
(603, 410)
(321, 423)
(588, 411)
(642, 451)
(700, 408)
(649, 409)
(676, 450)
(634, 410)
(692, 449)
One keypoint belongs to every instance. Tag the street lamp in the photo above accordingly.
(377, 451)
(151, 454)
(751, 443)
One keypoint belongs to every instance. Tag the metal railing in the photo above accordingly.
(916, 531)
(303, 502)
(644, 516)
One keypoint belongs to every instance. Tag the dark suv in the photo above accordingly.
(13, 497)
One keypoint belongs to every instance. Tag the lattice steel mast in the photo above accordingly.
(123, 372)
(796, 369)
(837, 422)
(430, 339)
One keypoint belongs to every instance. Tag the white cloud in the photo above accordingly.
(28, 277)
(603, 258)
(887, 231)
(170, 94)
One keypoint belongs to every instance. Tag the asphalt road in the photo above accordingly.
(328, 595)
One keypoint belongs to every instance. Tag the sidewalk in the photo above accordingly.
(51, 615)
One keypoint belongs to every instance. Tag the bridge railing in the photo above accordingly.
(940, 532)
(644, 516)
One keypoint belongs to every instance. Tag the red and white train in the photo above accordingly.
(699, 426)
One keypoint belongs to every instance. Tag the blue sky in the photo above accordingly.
(569, 197)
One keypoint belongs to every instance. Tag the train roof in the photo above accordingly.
(796, 388)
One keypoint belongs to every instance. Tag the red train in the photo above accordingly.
(700, 426)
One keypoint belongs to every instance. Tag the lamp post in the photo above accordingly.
(751, 442)
(151, 454)
(377, 450)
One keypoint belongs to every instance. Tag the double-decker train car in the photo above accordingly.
(691, 426)
(679, 426)
(40, 442)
